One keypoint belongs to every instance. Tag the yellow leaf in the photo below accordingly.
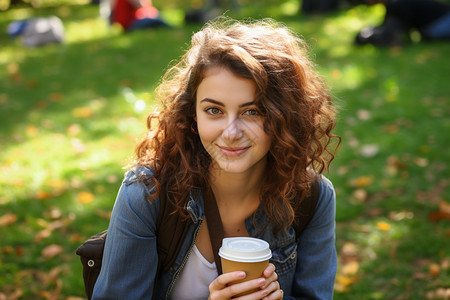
(85, 197)
(350, 268)
(434, 269)
(362, 181)
(340, 288)
(82, 112)
(12, 68)
(31, 130)
(41, 195)
(336, 73)
(383, 226)
(346, 280)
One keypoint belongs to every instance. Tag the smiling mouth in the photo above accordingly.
(233, 151)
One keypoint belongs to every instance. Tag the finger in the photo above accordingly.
(223, 280)
(269, 270)
(272, 278)
(273, 291)
(276, 295)
(254, 285)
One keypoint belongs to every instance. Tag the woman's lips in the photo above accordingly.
(233, 151)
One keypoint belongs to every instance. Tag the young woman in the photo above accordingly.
(244, 115)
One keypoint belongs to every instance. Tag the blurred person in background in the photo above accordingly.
(318, 6)
(430, 18)
(132, 14)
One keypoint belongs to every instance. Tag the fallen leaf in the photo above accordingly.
(346, 280)
(363, 114)
(360, 194)
(438, 215)
(339, 288)
(78, 146)
(104, 214)
(85, 197)
(421, 162)
(82, 112)
(440, 293)
(350, 268)
(8, 219)
(31, 130)
(383, 226)
(349, 250)
(361, 181)
(74, 129)
(41, 195)
(434, 269)
(336, 73)
(12, 68)
(56, 97)
(444, 207)
(52, 251)
(369, 150)
(45, 233)
(75, 238)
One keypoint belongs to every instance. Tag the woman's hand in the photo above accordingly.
(272, 286)
(267, 286)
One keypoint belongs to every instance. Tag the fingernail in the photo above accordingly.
(261, 281)
(242, 275)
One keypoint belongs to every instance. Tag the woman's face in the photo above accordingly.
(229, 123)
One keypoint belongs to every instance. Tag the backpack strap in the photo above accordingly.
(305, 210)
(171, 229)
(215, 226)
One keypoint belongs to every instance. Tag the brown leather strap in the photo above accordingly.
(215, 227)
(305, 210)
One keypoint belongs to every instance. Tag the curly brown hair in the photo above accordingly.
(297, 109)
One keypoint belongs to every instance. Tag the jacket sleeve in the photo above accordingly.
(130, 256)
(316, 256)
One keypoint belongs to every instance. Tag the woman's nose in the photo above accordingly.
(233, 131)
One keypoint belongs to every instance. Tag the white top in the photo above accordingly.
(193, 282)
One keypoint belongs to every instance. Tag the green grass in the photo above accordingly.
(70, 115)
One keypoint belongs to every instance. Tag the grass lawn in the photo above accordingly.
(70, 115)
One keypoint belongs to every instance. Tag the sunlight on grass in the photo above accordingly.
(89, 29)
(290, 8)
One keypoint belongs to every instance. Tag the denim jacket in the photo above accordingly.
(306, 267)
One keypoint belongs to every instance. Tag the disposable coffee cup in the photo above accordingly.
(250, 255)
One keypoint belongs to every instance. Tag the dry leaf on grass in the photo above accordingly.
(85, 197)
(52, 251)
(8, 219)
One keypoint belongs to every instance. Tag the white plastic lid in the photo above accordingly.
(245, 249)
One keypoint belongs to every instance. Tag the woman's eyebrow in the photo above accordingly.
(250, 103)
(212, 101)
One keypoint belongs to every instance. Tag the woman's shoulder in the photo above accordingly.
(325, 184)
(138, 174)
(327, 194)
(135, 193)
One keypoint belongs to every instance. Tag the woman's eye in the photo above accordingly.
(251, 112)
(213, 111)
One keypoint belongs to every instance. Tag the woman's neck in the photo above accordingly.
(237, 188)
